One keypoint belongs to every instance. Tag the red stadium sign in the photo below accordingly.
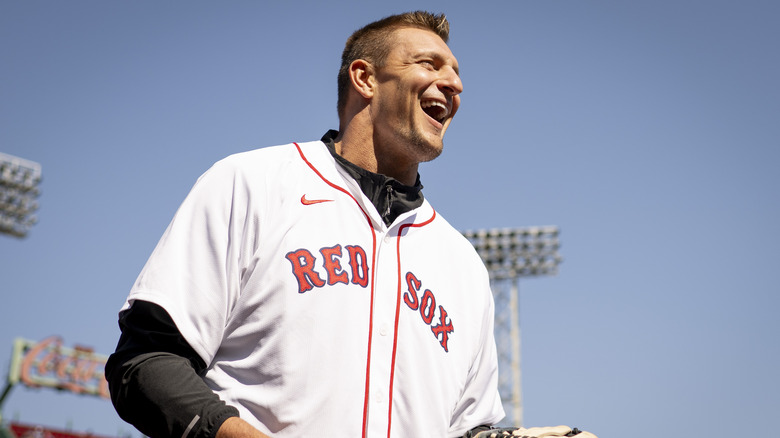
(49, 364)
(28, 431)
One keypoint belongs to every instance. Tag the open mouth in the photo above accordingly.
(435, 110)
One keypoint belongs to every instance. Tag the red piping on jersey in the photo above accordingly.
(397, 313)
(371, 311)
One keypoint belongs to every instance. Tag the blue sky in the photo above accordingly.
(649, 132)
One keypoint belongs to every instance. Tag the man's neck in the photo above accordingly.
(390, 197)
(360, 148)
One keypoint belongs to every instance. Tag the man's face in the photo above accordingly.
(416, 95)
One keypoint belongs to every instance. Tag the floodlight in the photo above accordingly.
(19, 181)
(508, 254)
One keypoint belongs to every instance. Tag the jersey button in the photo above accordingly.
(384, 330)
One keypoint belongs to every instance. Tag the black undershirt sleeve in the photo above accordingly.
(154, 378)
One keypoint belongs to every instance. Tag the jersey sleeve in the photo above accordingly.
(480, 403)
(194, 271)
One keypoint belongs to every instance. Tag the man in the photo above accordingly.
(309, 289)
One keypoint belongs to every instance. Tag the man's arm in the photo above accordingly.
(155, 378)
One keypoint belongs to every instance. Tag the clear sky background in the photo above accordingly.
(649, 132)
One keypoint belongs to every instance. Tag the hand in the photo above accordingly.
(235, 427)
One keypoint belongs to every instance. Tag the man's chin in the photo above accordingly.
(428, 149)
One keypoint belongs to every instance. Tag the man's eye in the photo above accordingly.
(428, 63)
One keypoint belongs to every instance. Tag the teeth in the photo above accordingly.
(430, 103)
(444, 111)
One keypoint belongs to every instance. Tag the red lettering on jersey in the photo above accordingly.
(303, 267)
(428, 301)
(359, 264)
(410, 297)
(333, 265)
(444, 328)
(427, 307)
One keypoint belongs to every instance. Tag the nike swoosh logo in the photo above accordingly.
(305, 201)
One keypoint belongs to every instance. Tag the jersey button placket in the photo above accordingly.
(386, 276)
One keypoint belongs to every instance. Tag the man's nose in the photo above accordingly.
(450, 82)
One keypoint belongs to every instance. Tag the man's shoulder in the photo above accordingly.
(455, 241)
(263, 153)
(270, 157)
(446, 227)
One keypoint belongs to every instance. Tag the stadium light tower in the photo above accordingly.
(19, 181)
(509, 254)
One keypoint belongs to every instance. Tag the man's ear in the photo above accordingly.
(361, 74)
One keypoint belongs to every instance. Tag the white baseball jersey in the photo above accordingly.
(316, 318)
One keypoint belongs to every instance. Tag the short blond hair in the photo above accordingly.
(372, 43)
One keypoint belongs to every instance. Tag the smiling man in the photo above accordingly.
(310, 289)
(396, 109)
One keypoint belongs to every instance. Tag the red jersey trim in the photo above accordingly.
(397, 314)
(373, 272)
